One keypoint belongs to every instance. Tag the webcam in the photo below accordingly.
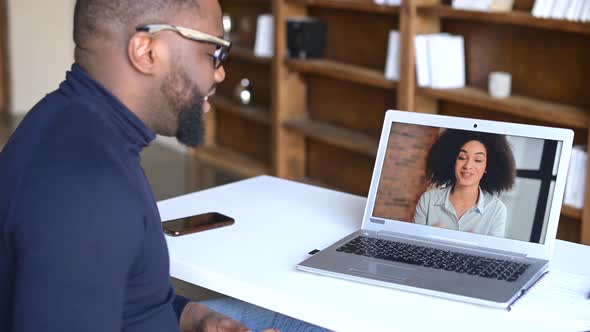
(475, 125)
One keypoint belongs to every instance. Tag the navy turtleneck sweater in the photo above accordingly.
(81, 242)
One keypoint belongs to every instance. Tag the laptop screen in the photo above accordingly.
(469, 181)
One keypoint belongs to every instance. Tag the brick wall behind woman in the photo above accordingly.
(403, 178)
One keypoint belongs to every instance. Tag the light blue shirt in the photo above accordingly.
(488, 216)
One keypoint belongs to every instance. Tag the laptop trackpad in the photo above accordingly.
(382, 270)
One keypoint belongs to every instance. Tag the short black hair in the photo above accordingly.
(501, 167)
(101, 19)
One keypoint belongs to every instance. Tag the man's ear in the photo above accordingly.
(142, 53)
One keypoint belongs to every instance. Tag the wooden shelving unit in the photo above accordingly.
(342, 71)
(322, 117)
(253, 113)
(336, 136)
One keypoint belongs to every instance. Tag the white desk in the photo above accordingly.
(278, 222)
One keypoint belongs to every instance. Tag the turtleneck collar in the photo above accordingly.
(79, 83)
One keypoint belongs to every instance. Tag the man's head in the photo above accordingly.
(162, 75)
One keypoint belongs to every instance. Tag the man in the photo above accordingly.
(81, 244)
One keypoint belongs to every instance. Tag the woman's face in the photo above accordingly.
(470, 164)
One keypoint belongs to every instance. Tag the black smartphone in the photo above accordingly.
(196, 223)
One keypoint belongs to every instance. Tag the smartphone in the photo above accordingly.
(196, 223)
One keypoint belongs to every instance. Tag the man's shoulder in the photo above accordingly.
(67, 123)
(71, 114)
(55, 127)
(65, 133)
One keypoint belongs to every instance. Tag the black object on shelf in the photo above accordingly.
(306, 37)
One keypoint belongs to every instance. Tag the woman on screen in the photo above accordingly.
(468, 170)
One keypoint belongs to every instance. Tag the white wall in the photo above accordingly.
(40, 48)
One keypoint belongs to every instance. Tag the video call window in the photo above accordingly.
(468, 181)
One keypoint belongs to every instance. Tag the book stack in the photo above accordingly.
(440, 61)
(571, 10)
(576, 178)
(388, 2)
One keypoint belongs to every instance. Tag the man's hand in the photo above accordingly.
(198, 318)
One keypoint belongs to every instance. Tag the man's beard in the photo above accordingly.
(191, 129)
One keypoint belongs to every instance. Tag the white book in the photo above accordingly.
(264, 43)
(586, 16)
(570, 15)
(421, 58)
(571, 180)
(580, 188)
(548, 8)
(577, 15)
(538, 8)
(570, 6)
(480, 5)
(580, 10)
(559, 9)
(576, 180)
(583, 11)
(457, 4)
(447, 61)
(459, 63)
(393, 58)
(544, 9)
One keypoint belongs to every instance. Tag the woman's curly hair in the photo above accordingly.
(501, 167)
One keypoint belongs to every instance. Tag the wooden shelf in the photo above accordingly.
(571, 212)
(244, 53)
(342, 71)
(521, 18)
(337, 136)
(253, 113)
(358, 5)
(529, 108)
(231, 161)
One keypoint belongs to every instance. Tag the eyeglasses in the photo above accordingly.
(223, 46)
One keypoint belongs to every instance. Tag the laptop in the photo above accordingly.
(436, 222)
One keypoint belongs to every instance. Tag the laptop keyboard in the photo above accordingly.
(435, 258)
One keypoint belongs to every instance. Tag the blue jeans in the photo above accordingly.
(257, 318)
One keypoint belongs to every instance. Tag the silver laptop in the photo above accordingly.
(459, 208)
